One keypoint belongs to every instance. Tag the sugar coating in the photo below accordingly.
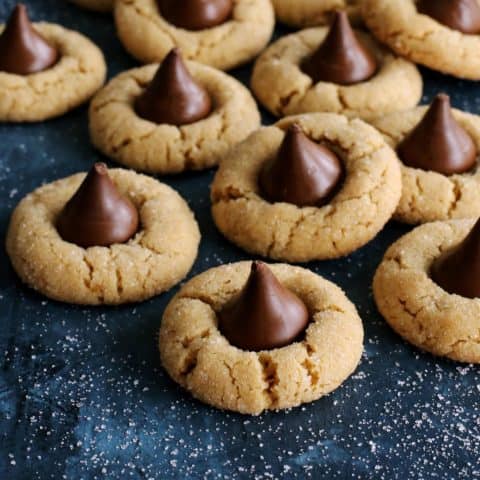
(428, 196)
(307, 13)
(283, 231)
(198, 357)
(84, 395)
(149, 37)
(421, 38)
(415, 306)
(157, 257)
(284, 89)
(79, 73)
(120, 133)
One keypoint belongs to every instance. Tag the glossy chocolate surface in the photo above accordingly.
(23, 50)
(196, 14)
(458, 270)
(461, 15)
(342, 58)
(173, 96)
(265, 315)
(303, 172)
(97, 214)
(439, 143)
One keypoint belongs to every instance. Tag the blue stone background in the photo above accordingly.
(83, 394)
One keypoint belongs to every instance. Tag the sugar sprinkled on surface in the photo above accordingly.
(83, 395)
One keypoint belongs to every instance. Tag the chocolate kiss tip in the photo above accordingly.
(458, 270)
(23, 50)
(341, 58)
(97, 214)
(264, 315)
(439, 143)
(303, 172)
(461, 15)
(295, 128)
(173, 96)
(196, 14)
(100, 168)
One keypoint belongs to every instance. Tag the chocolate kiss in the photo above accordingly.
(22, 49)
(341, 58)
(461, 15)
(458, 270)
(173, 96)
(265, 314)
(438, 142)
(196, 14)
(303, 172)
(97, 214)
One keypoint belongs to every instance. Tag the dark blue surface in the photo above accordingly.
(83, 396)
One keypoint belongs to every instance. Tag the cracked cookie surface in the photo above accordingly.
(78, 74)
(282, 231)
(429, 196)
(159, 255)
(308, 13)
(96, 5)
(421, 39)
(198, 357)
(148, 37)
(120, 133)
(284, 89)
(415, 306)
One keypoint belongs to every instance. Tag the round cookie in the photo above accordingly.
(96, 5)
(148, 37)
(283, 231)
(308, 13)
(200, 358)
(156, 258)
(284, 89)
(415, 306)
(78, 74)
(426, 195)
(121, 134)
(421, 39)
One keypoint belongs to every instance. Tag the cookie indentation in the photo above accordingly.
(222, 375)
(360, 208)
(419, 309)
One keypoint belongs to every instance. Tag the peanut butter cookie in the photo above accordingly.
(198, 357)
(423, 39)
(281, 85)
(79, 72)
(360, 208)
(149, 36)
(157, 257)
(309, 13)
(415, 306)
(429, 195)
(120, 133)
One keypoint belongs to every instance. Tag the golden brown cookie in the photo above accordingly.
(155, 259)
(78, 74)
(415, 306)
(121, 134)
(148, 37)
(284, 89)
(422, 39)
(96, 5)
(200, 358)
(360, 209)
(426, 195)
(308, 13)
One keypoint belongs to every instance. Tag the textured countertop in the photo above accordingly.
(83, 395)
